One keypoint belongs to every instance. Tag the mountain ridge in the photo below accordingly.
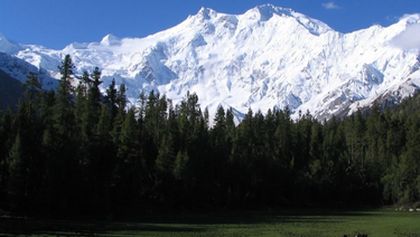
(266, 57)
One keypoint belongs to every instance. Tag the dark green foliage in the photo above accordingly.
(78, 152)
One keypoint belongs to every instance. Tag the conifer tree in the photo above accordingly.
(166, 156)
(111, 99)
(94, 92)
(32, 87)
(121, 102)
(65, 88)
(64, 120)
(181, 165)
(18, 163)
(128, 172)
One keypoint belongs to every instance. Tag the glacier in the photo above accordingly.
(268, 57)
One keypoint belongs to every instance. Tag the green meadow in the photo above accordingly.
(382, 223)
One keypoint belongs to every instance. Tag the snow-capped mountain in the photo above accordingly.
(266, 57)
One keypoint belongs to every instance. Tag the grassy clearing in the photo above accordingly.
(383, 223)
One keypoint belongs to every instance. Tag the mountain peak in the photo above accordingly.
(266, 11)
(411, 18)
(7, 46)
(206, 13)
(269, 9)
(110, 39)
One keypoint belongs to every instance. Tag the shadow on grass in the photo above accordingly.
(170, 223)
(257, 217)
(14, 226)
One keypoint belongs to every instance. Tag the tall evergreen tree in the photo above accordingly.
(111, 99)
(18, 180)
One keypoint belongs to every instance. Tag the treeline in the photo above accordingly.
(76, 152)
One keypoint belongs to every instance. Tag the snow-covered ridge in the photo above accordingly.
(266, 57)
(6, 46)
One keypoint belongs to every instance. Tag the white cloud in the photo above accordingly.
(409, 38)
(330, 5)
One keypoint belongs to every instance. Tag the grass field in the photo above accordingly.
(381, 223)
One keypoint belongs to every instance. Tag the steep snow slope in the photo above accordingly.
(267, 57)
(19, 70)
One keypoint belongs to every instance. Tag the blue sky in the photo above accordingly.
(56, 23)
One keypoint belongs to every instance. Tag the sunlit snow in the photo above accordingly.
(267, 57)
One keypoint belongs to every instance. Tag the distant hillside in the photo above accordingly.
(10, 90)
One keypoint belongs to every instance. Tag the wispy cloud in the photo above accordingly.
(391, 19)
(330, 5)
